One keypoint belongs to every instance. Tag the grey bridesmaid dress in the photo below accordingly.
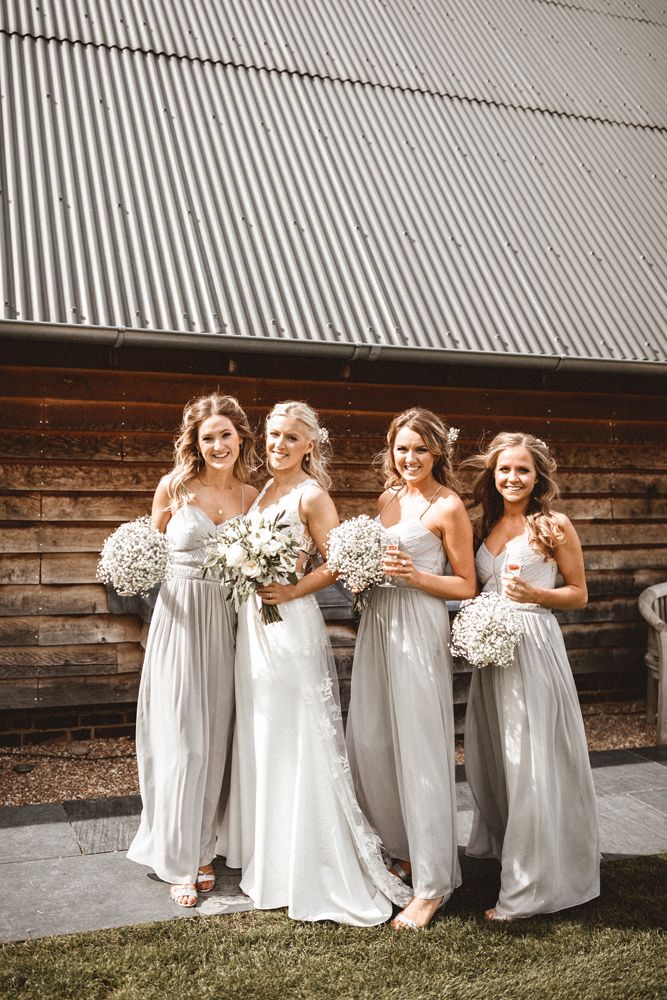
(400, 730)
(185, 709)
(527, 760)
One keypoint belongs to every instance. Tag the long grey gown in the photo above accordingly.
(185, 709)
(527, 760)
(400, 729)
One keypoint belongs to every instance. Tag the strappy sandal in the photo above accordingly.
(494, 920)
(400, 872)
(205, 875)
(181, 892)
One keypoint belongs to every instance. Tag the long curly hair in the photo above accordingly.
(316, 462)
(188, 460)
(544, 533)
(435, 435)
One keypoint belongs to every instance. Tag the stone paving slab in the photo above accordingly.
(103, 825)
(629, 826)
(36, 832)
(95, 892)
(657, 799)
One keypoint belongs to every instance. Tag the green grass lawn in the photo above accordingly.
(614, 948)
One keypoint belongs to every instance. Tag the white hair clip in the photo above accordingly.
(452, 434)
(323, 436)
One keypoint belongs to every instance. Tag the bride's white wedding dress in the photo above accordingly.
(293, 823)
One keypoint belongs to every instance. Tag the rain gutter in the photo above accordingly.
(116, 337)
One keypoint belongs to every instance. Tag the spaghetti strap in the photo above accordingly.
(430, 503)
(390, 502)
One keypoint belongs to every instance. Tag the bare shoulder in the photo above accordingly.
(450, 504)
(387, 496)
(162, 490)
(250, 491)
(565, 524)
(314, 496)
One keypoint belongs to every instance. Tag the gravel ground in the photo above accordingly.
(92, 769)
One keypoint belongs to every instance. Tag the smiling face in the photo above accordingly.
(287, 443)
(413, 460)
(515, 475)
(219, 442)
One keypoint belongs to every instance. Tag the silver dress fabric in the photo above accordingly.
(185, 709)
(400, 730)
(527, 760)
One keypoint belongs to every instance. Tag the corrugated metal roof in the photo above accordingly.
(604, 60)
(194, 197)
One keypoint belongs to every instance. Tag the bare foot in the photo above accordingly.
(418, 914)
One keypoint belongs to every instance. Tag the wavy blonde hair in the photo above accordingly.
(315, 463)
(544, 532)
(188, 460)
(435, 435)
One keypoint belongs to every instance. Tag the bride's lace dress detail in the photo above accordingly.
(293, 823)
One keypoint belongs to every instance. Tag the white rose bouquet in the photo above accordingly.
(134, 558)
(355, 550)
(487, 630)
(251, 552)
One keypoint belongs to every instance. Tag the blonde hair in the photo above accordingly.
(544, 532)
(188, 460)
(435, 435)
(315, 463)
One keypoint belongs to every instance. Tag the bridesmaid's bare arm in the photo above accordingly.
(161, 509)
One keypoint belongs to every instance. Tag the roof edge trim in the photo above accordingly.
(116, 337)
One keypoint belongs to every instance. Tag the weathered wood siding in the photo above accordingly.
(82, 449)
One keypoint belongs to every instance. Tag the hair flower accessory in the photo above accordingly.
(323, 437)
(452, 434)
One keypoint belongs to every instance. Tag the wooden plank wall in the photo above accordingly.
(81, 451)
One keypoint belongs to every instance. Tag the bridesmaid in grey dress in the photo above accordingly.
(186, 698)
(400, 732)
(526, 755)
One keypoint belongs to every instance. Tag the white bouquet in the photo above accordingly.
(134, 558)
(251, 552)
(487, 630)
(355, 550)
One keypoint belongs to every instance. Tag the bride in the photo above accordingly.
(293, 823)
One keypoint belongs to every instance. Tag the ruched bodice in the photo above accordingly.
(535, 569)
(190, 531)
(421, 544)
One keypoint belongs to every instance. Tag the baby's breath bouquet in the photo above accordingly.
(251, 552)
(355, 550)
(487, 630)
(134, 558)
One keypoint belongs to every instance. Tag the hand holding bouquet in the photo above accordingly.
(487, 630)
(355, 550)
(251, 552)
(134, 558)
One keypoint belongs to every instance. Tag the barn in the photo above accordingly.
(366, 205)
